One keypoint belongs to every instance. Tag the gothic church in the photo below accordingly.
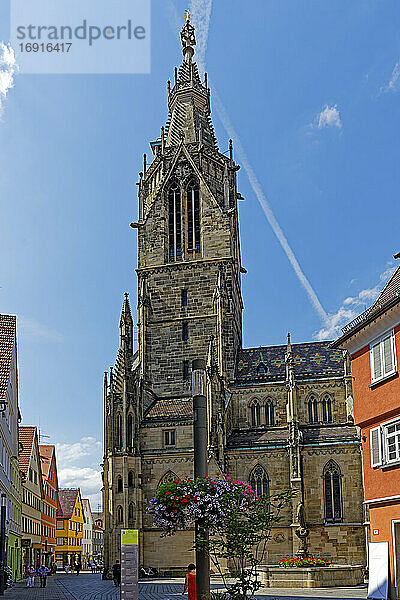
(280, 417)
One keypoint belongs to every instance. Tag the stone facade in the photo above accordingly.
(279, 417)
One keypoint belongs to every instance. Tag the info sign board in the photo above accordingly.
(129, 564)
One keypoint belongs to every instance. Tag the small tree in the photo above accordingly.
(239, 522)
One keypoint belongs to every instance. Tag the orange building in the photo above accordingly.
(49, 502)
(373, 342)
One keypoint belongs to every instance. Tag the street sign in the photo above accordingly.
(129, 564)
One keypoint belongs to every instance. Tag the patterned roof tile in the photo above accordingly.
(267, 363)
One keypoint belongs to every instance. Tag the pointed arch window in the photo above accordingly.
(118, 431)
(269, 413)
(169, 476)
(259, 481)
(193, 216)
(313, 410)
(255, 411)
(327, 410)
(119, 484)
(261, 369)
(130, 512)
(130, 479)
(129, 432)
(120, 514)
(333, 492)
(175, 222)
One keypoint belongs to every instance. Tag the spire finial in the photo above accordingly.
(188, 38)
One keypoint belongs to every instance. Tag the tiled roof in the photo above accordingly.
(389, 295)
(252, 438)
(8, 329)
(46, 454)
(330, 433)
(267, 363)
(169, 409)
(67, 499)
(26, 436)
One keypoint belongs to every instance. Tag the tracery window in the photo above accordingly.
(118, 431)
(169, 476)
(259, 481)
(175, 222)
(119, 484)
(269, 413)
(313, 410)
(327, 410)
(333, 492)
(129, 432)
(193, 216)
(255, 410)
(130, 479)
(120, 514)
(130, 512)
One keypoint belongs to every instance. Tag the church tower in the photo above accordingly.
(188, 242)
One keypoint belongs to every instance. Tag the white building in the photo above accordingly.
(10, 479)
(87, 539)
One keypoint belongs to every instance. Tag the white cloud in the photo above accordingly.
(79, 466)
(353, 306)
(394, 83)
(29, 328)
(329, 117)
(8, 68)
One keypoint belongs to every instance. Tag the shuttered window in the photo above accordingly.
(392, 442)
(376, 447)
(383, 357)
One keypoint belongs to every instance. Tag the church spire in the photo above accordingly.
(189, 99)
(126, 326)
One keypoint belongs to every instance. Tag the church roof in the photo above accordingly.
(168, 409)
(278, 436)
(267, 363)
(189, 101)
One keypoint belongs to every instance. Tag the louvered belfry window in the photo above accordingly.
(383, 357)
(333, 492)
(193, 216)
(174, 222)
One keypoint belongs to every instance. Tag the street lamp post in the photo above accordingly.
(200, 435)
(2, 543)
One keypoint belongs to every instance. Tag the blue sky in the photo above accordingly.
(312, 92)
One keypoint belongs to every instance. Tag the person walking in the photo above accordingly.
(116, 571)
(31, 576)
(43, 573)
(190, 582)
(78, 567)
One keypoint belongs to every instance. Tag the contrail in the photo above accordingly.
(200, 14)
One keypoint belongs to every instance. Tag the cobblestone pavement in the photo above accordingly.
(21, 592)
(91, 587)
